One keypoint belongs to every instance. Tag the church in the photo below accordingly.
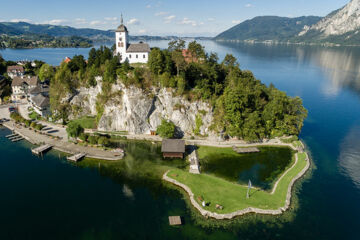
(132, 52)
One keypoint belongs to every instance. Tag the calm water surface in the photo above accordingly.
(51, 199)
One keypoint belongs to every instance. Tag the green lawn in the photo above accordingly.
(232, 196)
(86, 122)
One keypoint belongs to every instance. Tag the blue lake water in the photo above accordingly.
(52, 199)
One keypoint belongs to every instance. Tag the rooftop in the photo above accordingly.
(15, 68)
(173, 146)
(40, 89)
(31, 81)
(138, 47)
(41, 101)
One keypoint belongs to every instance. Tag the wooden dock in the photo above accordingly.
(246, 150)
(11, 135)
(41, 149)
(174, 220)
(17, 139)
(76, 157)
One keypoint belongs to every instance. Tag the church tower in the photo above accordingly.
(122, 40)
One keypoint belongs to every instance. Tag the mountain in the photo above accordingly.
(268, 28)
(24, 28)
(340, 26)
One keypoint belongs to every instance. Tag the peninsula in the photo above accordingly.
(182, 92)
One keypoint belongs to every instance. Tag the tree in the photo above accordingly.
(230, 61)
(103, 141)
(181, 84)
(179, 61)
(77, 63)
(166, 129)
(74, 129)
(46, 72)
(176, 45)
(156, 61)
(197, 51)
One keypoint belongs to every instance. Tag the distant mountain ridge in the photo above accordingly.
(268, 28)
(340, 27)
(24, 28)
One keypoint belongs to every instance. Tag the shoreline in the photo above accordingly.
(247, 210)
(62, 146)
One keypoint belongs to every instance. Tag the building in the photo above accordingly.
(173, 148)
(41, 88)
(134, 52)
(41, 105)
(67, 60)
(21, 86)
(15, 71)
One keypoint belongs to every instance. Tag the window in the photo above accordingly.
(144, 56)
(120, 39)
(119, 45)
(122, 44)
(137, 56)
(129, 55)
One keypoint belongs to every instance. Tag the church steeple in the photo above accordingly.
(122, 20)
(122, 27)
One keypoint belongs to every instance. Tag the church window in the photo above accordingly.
(136, 56)
(122, 44)
(120, 39)
(144, 56)
(129, 55)
(119, 44)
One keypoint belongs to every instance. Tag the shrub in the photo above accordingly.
(33, 124)
(92, 139)
(74, 129)
(83, 136)
(39, 127)
(166, 129)
(103, 141)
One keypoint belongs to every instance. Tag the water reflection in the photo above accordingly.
(339, 65)
(349, 158)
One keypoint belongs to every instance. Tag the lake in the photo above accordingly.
(49, 198)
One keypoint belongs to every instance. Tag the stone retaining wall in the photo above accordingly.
(218, 216)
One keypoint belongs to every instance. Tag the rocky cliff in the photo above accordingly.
(341, 21)
(137, 112)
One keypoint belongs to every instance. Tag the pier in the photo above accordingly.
(174, 220)
(76, 157)
(41, 149)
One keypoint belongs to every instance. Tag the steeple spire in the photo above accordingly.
(122, 21)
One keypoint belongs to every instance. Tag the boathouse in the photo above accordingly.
(173, 148)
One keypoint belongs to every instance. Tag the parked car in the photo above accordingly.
(12, 109)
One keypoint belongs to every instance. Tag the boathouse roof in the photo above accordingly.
(173, 146)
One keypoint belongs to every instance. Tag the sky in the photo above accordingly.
(159, 17)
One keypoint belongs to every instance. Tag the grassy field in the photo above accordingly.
(86, 122)
(232, 196)
(263, 168)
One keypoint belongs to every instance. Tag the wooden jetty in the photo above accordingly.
(17, 139)
(11, 135)
(76, 157)
(246, 150)
(41, 149)
(174, 220)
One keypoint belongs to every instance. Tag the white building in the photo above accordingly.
(133, 53)
(15, 71)
(21, 86)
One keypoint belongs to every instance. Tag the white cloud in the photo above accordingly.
(20, 20)
(248, 5)
(58, 21)
(133, 21)
(168, 19)
(187, 21)
(211, 19)
(111, 18)
(142, 31)
(80, 21)
(148, 6)
(236, 21)
(96, 22)
(161, 14)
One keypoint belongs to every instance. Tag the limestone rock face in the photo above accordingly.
(138, 112)
(340, 22)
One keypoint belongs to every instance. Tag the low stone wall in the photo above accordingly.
(218, 216)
